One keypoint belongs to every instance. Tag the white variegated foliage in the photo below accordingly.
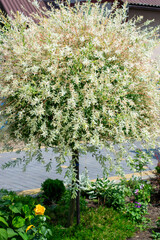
(80, 79)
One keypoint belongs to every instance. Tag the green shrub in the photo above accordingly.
(157, 169)
(138, 193)
(53, 189)
(115, 197)
(137, 188)
(20, 219)
(136, 211)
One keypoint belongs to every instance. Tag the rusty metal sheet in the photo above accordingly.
(153, 3)
(27, 8)
(24, 6)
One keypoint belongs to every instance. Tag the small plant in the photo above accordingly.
(53, 189)
(137, 188)
(98, 188)
(19, 221)
(158, 169)
(142, 193)
(138, 194)
(15, 214)
(140, 161)
(114, 197)
(106, 191)
(38, 228)
(136, 211)
(156, 234)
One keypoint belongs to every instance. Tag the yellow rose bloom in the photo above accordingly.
(29, 227)
(39, 210)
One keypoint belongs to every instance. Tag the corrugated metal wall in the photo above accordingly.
(20, 5)
(27, 8)
(155, 3)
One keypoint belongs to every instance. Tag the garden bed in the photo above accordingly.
(153, 215)
(108, 211)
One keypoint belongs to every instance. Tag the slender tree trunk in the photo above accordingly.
(76, 201)
(71, 212)
(78, 192)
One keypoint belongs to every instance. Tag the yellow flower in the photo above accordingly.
(39, 210)
(29, 227)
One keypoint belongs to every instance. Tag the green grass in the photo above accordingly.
(97, 223)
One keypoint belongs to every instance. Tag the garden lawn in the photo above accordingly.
(97, 223)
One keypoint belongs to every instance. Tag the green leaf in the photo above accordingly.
(43, 230)
(26, 210)
(16, 208)
(18, 222)
(3, 221)
(3, 234)
(23, 235)
(11, 233)
(30, 217)
(50, 232)
(1, 213)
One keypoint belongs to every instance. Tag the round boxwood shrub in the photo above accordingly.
(53, 189)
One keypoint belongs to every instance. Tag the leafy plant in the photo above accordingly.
(53, 189)
(156, 234)
(142, 193)
(131, 197)
(136, 211)
(115, 197)
(106, 191)
(17, 215)
(98, 188)
(138, 197)
(157, 169)
(141, 160)
(13, 215)
(140, 189)
(39, 228)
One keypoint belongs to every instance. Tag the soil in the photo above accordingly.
(154, 213)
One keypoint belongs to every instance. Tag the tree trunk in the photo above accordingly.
(76, 201)
(78, 192)
(71, 212)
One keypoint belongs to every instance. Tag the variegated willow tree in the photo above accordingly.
(79, 79)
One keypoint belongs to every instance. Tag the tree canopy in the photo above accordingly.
(81, 79)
